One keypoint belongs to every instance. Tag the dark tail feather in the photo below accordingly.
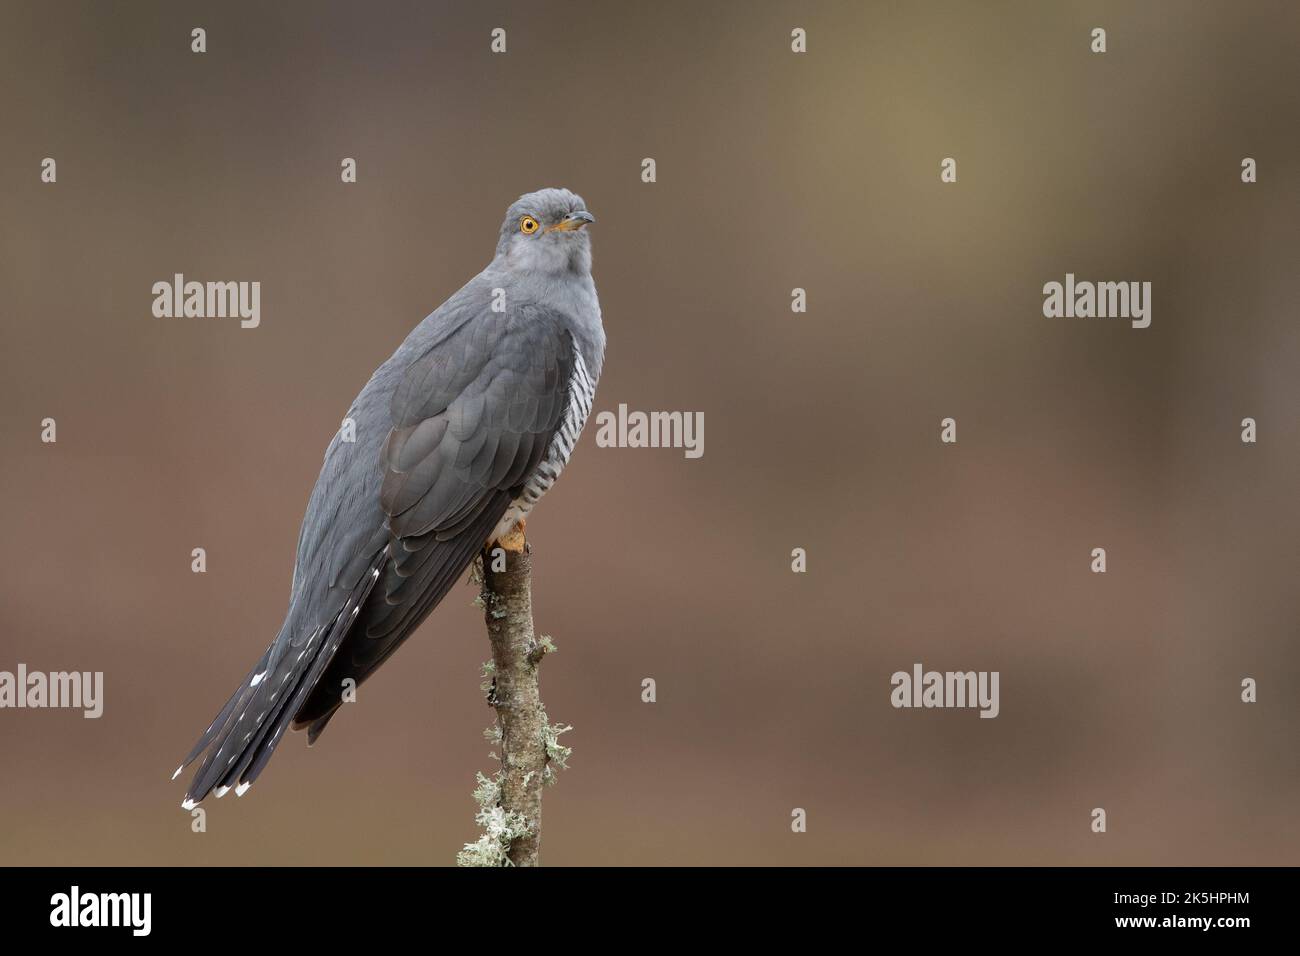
(219, 721)
(266, 701)
(259, 758)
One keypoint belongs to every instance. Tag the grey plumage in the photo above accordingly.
(458, 434)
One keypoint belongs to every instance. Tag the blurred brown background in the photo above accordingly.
(822, 430)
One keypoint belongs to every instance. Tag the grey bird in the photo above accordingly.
(457, 437)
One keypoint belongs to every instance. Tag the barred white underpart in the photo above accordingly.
(581, 392)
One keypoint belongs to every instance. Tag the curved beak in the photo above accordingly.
(574, 220)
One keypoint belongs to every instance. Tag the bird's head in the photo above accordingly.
(546, 231)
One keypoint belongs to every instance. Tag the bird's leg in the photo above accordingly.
(513, 540)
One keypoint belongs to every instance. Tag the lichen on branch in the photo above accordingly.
(510, 802)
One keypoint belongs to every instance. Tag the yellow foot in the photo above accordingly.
(513, 540)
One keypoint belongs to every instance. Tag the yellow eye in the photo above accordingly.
(528, 225)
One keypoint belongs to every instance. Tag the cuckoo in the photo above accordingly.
(457, 437)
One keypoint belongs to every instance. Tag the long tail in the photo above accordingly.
(247, 729)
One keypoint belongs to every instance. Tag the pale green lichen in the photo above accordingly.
(490, 602)
(556, 752)
(500, 828)
(488, 791)
(493, 847)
